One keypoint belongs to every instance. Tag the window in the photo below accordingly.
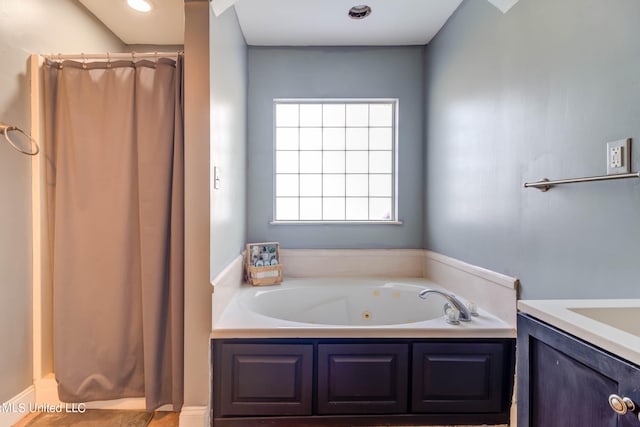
(335, 160)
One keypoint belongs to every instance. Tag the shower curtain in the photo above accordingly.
(114, 149)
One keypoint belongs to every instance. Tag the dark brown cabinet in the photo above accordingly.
(458, 377)
(357, 379)
(361, 382)
(265, 379)
(564, 381)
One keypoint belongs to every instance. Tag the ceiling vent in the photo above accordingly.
(359, 12)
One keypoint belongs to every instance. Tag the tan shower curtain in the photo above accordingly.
(114, 147)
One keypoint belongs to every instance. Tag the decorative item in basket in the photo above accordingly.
(262, 264)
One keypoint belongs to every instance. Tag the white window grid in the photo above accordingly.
(323, 173)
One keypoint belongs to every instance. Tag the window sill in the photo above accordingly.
(335, 222)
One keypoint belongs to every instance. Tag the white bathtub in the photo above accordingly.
(348, 308)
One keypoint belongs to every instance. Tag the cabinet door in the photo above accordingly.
(362, 378)
(560, 383)
(565, 381)
(264, 379)
(460, 377)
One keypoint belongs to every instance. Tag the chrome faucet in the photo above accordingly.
(465, 315)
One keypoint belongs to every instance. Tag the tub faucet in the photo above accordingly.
(465, 315)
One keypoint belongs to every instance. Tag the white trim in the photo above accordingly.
(303, 100)
(219, 6)
(228, 275)
(46, 390)
(497, 278)
(36, 217)
(16, 408)
(224, 287)
(341, 253)
(503, 5)
(352, 262)
(42, 291)
(394, 102)
(495, 292)
(194, 416)
(336, 222)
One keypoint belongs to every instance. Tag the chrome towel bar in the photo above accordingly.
(545, 184)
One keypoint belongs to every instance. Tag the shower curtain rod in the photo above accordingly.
(110, 56)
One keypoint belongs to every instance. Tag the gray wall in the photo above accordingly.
(530, 94)
(35, 26)
(349, 72)
(228, 139)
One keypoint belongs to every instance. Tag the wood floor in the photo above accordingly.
(160, 419)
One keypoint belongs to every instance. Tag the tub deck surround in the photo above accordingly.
(348, 308)
(225, 286)
(494, 292)
(352, 262)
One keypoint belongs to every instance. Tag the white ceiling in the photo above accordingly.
(164, 25)
(326, 23)
(287, 22)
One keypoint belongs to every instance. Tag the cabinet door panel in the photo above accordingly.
(265, 379)
(562, 384)
(458, 377)
(362, 378)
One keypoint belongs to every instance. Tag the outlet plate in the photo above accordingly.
(619, 156)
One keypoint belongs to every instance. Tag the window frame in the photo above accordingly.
(394, 161)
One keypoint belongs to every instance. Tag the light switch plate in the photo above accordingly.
(619, 156)
(216, 178)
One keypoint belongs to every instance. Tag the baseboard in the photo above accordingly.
(194, 416)
(46, 392)
(17, 407)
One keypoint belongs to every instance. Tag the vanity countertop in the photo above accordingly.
(611, 324)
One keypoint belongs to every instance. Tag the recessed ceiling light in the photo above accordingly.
(360, 11)
(140, 5)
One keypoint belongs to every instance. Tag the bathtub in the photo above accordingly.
(348, 308)
(357, 351)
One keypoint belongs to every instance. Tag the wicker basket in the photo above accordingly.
(263, 274)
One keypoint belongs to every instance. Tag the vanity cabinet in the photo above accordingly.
(564, 381)
(361, 382)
